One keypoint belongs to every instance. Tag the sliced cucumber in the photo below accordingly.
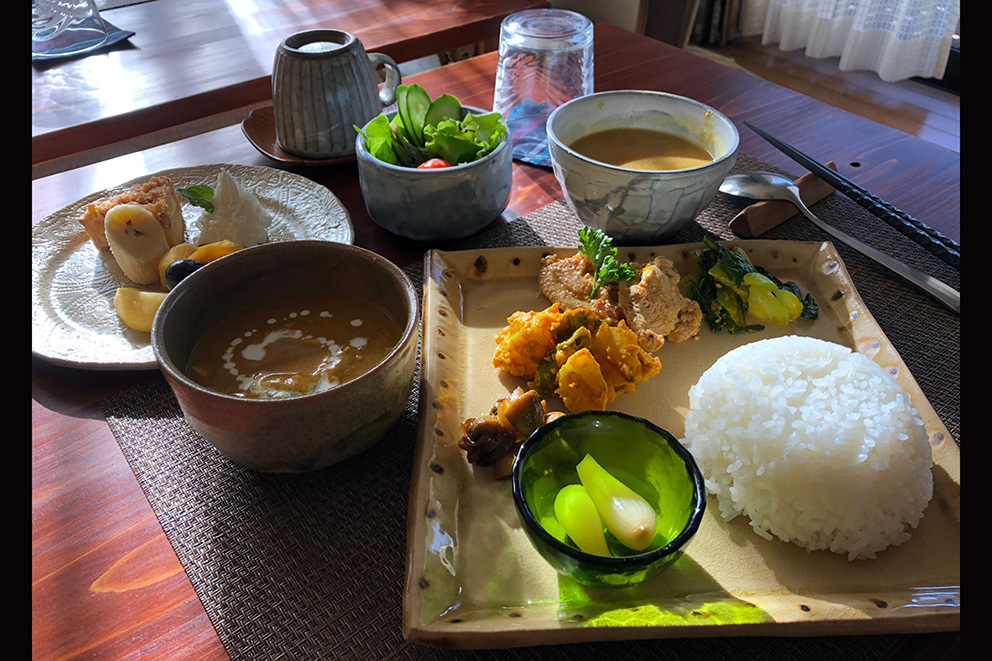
(443, 107)
(418, 102)
(401, 111)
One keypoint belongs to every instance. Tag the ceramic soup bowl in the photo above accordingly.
(328, 423)
(639, 206)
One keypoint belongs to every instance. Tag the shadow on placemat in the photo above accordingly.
(311, 566)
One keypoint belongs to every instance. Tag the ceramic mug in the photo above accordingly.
(323, 85)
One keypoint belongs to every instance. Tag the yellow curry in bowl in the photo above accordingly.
(290, 345)
(642, 149)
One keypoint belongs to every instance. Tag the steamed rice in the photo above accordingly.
(814, 443)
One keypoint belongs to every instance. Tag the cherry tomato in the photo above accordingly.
(433, 164)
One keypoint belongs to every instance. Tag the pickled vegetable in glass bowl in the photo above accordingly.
(599, 450)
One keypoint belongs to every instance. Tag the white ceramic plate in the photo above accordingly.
(73, 283)
(473, 579)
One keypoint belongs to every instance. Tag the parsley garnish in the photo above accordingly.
(598, 247)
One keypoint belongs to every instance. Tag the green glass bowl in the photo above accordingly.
(643, 456)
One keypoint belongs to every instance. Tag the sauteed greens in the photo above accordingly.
(728, 288)
(425, 129)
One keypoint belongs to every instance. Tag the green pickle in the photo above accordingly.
(758, 280)
(720, 274)
(764, 305)
(767, 302)
(625, 513)
(729, 288)
(790, 301)
(577, 514)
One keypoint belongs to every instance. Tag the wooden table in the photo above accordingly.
(106, 582)
(200, 60)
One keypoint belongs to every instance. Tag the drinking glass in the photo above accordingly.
(545, 59)
(66, 27)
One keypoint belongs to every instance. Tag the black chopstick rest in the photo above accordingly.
(930, 239)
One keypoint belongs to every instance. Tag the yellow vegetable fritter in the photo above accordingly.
(622, 360)
(525, 341)
(577, 355)
(581, 385)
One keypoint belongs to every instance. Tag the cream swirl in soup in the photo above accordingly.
(294, 345)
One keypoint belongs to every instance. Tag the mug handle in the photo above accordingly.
(387, 95)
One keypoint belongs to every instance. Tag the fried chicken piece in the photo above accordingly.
(568, 282)
(655, 309)
(687, 327)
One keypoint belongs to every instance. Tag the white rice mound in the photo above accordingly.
(814, 443)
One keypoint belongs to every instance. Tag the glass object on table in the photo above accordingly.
(66, 27)
(545, 59)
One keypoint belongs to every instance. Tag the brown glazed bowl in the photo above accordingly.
(300, 433)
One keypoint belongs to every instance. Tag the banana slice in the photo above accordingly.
(158, 195)
(137, 241)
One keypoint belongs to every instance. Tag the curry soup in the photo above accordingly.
(293, 345)
(642, 149)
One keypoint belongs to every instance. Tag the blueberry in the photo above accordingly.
(178, 270)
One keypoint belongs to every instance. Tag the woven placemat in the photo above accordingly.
(311, 566)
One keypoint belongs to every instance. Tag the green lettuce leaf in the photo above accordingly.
(379, 139)
(457, 140)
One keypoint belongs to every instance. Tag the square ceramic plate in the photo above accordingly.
(474, 581)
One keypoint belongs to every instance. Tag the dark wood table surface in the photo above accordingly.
(106, 582)
(195, 59)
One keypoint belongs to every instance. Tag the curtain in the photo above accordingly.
(714, 22)
(897, 39)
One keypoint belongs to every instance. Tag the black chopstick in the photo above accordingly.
(930, 239)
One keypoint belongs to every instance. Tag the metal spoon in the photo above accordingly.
(770, 186)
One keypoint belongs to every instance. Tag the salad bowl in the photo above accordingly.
(438, 204)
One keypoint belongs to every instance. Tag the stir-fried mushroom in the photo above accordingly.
(485, 440)
(493, 439)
